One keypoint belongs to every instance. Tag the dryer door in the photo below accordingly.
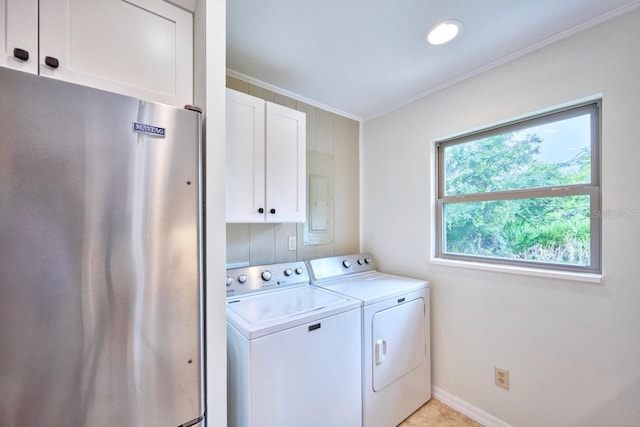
(398, 342)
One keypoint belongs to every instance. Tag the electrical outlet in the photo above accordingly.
(502, 377)
(292, 243)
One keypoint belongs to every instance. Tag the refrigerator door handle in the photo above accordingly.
(193, 422)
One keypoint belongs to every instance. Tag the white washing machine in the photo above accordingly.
(293, 350)
(395, 334)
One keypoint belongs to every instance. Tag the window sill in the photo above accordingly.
(523, 271)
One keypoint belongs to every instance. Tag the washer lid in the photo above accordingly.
(269, 312)
(371, 288)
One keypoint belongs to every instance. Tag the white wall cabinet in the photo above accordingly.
(266, 161)
(19, 33)
(140, 48)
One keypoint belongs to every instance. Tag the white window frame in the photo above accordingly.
(591, 189)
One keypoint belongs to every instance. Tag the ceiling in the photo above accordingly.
(363, 58)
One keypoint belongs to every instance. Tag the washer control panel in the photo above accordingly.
(265, 277)
(340, 266)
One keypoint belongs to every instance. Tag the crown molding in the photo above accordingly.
(297, 97)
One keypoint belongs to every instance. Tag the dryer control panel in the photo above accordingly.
(266, 277)
(340, 266)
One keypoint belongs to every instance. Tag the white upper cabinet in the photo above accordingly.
(19, 35)
(285, 164)
(140, 48)
(266, 159)
(245, 158)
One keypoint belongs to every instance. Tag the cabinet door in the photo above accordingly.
(19, 30)
(285, 164)
(141, 48)
(245, 158)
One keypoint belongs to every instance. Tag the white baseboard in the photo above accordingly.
(476, 414)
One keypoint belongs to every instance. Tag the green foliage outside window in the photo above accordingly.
(547, 228)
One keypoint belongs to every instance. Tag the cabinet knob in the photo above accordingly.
(272, 211)
(21, 54)
(261, 210)
(51, 61)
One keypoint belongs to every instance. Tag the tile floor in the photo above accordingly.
(435, 413)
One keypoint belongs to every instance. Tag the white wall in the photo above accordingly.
(209, 84)
(573, 349)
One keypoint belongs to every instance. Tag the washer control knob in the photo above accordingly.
(368, 260)
(346, 263)
(360, 261)
(242, 278)
(288, 272)
(229, 281)
(266, 275)
(299, 270)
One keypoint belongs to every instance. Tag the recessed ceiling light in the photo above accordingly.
(443, 32)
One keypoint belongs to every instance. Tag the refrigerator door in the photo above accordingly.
(100, 296)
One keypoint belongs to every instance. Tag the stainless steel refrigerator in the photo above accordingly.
(100, 248)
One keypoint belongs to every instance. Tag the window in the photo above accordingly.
(524, 193)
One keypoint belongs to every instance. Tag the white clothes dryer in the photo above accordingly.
(293, 350)
(395, 334)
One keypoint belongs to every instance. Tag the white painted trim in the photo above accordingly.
(585, 25)
(293, 95)
(475, 413)
(360, 186)
(523, 271)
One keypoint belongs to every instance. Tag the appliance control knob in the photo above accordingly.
(229, 281)
(242, 278)
(368, 260)
(266, 275)
(346, 263)
(299, 270)
(288, 272)
(360, 261)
